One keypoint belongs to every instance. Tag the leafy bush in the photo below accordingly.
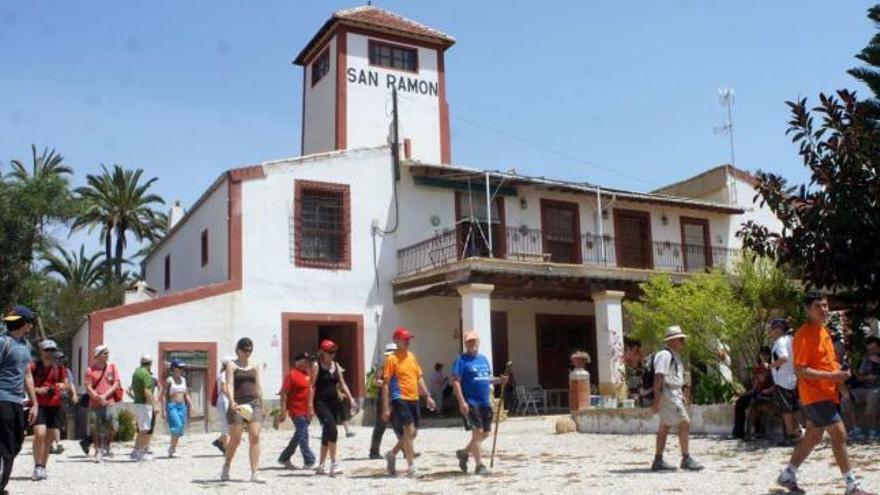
(712, 389)
(127, 428)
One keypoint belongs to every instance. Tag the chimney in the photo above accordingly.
(174, 215)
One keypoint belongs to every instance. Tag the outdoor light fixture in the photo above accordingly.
(523, 204)
(435, 220)
(604, 214)
(664, 219)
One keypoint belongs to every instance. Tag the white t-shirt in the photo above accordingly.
(784, 375)
(222, 401)
(673, 375)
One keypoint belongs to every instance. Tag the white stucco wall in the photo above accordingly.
(319, 108)
(184, 246)
(743, 193)
(80, 344)
(369, 107)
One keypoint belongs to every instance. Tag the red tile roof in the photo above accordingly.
(374, 18)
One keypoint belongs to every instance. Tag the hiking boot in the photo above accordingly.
(482, 470)
(789, 482)
(661, 465)
(462, 460)
(390, 463)
(690, 464)
(374, 454)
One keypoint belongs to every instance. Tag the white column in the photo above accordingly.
(476, 314)
(609, 341)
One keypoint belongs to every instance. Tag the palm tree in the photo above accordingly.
(76, 270)
(119, 202)
(48, 165)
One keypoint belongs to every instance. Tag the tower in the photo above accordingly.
(349, 69)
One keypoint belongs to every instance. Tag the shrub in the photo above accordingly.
(127, 428)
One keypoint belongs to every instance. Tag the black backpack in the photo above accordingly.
(646, 391)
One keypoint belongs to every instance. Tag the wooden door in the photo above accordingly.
(633, 243)
(558, 336)
(302, 337)
(696, 244)
(561, 233)
(500, 351)
(344, 337)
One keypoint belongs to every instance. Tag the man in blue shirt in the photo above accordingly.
(472, 384)
(15, 379)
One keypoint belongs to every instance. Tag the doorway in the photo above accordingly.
(560, 222)
(557, 337)
(304, 332)
(200, 371)
(695, 244)
(634, 245)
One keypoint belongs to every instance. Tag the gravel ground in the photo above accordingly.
(530, 459)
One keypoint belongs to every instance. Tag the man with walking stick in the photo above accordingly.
(472, 385)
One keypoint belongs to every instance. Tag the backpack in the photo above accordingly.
(646, 391)
(215, 394)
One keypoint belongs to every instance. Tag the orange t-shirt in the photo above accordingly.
(405, 366)
(813, 348)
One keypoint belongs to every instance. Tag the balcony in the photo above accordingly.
(537, 247)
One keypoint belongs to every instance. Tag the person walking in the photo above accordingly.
(375, 391)
(104, 386)
(437, 385)
(142, 389)
(68, 401)
(295, 402)
(472, 382)
(328, 391)
(178, 403)
(669, 401)
(244, 391)
(16, 380)
(50, 384)
(819, 375)
(222, 404)
(403, 412)
(781, 364)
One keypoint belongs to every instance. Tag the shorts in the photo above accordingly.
(786, 400)
(822, 414)
(143, 414)
(479, 418)
(12, 426)
(176, 416)
(50, 416)
(404, 412)
(102, 420)
(672, 410)
(234, 418)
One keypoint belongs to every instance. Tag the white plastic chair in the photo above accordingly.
(525, 400)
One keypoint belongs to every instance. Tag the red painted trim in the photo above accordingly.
(445, 143)
(341, 89)
(233, 283)
(545, 203)
(358, 320)
(298, 187)
(208, 347)
(373, 42)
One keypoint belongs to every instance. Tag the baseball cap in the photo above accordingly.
(471, 336)
(48, 345)
(779, 322)
(20, 312)
(328, 345)
(100, 349)
(146, 358)
(390, 347)
(177, 363)
(401, 333)
(300, 355)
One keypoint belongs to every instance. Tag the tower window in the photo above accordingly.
(394, 56)
(167, 273)
(204, 246)
(321, 66)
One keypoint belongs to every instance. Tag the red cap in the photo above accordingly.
(401, 333)
(327, 345)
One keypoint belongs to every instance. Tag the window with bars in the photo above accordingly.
(321, 66)
(394, 56)
(322, 226)
(167, 273)
(204, 245)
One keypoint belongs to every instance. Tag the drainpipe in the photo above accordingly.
(599, 219)
(489, 214)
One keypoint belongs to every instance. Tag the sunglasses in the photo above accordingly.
(247, 350)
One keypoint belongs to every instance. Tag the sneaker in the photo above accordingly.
(255, 478)
(481, 469)
(335, 469)
(390, 463)
(286, 464)
(172, 453)
(309, 465)
(690, 464)
(85, 444)
(789, 482)
(462, 460)
(857, 490)
(374, 454)
(146, 457)
(219, 445)
(224, 473)
(320, 470)
(135, 455)
(661, 465)
(412, 472)
(36, 475)
(58, 449)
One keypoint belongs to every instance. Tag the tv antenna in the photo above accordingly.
(726, 98)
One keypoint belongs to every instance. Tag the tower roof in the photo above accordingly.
(376, 19)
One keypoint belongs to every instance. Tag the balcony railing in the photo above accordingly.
(535, 246)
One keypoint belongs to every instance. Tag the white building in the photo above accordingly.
(333, 244)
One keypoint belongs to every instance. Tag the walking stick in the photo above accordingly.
(498, 414)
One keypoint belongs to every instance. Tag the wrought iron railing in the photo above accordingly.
(535, 246)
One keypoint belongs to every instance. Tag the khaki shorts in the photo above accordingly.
(233, 418)
(672, 410)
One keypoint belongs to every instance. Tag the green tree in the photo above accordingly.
(75, 270)
(870, 55)
(120, 202)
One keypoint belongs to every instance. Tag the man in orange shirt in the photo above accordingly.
(819, 373)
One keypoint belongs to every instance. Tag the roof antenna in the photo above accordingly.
(726, 98)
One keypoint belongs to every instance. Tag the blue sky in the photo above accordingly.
(623, 94)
